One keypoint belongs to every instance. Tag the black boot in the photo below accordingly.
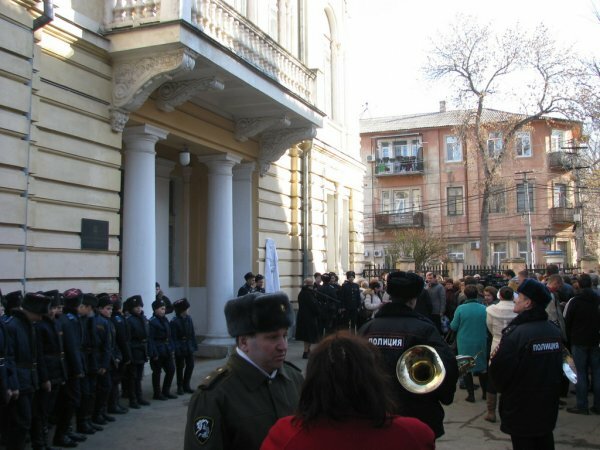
(483, 377)
(180, 390)
(64, 441)
(470, 389)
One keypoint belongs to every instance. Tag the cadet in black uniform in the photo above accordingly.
(248, 286)
(236, 405)
(123, 357)
(106, 334)
(27, 357)
(350, 297)
(184, 338)
(138, 328)
(395, 329)
(161, 348)
(53, 370)
(9, 384)
(69, 396)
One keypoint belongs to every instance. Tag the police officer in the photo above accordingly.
(350, 298)
(123, 356)
(184, 338)
(27, 357)
(160, 349)
(395, 329)
(138, 328)
(527, 369)
(236, 405)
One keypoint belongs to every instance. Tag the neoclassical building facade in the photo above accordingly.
(167, 141)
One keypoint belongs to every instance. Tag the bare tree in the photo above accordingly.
(486, 68)
(415, 243)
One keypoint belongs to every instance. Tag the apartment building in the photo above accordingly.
(421, 174)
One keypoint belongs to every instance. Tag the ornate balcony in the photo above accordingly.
(405, 165)
(399, 220)
(562, 215)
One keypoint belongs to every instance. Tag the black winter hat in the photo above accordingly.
(181, 305)
(36, 303)
(350, 273)
(258, 313)
(73, 298)
(90, 300)
(56, 298)
(537, 292)
(104, 300)
(158, 304)
(13, 300)
(404, 285)
(132, 302)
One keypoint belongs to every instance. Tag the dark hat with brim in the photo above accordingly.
(13, 300)
(537, 292)
(258, 313)
(73, 298)
(132, 302)
(56, 298)
(90, 300)
(158, 304)
(181, 305)
(36, 303)
(404, 286)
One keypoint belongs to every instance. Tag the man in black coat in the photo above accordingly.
(350, 297)
(27, 360)
(395, 329)
(582, 322)
(248, 286)
(122, 364)
(527, 369)
(139, 332)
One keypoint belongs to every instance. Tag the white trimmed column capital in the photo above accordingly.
(143, 137)
(220, 164)
(243, 172)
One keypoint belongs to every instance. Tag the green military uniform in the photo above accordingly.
(236, 405)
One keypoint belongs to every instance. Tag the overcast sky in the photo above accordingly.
(393, 37)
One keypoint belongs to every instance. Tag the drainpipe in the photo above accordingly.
(306, 150)
(46, 17)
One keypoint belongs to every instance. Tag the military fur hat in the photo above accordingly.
(258, 313)
(73, 298)
(36, 303)
(116, 301)
(104, 300)
(537, 292)
(56, 298)
(90, 300)
(13, 300)
(132, 302)
(181, 305)
(158, 304)
(403, 286)
(350, 274)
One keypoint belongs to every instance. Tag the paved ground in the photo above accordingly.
(161, 425)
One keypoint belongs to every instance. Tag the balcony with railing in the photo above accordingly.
(561, 160)
(562, 215)
(404, 165)
(221, 23)
(399, 220)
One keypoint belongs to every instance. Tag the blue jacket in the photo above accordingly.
(160, 343)
(26, 352)
(8, 376)
(122, 337)
(50, 336)
(184, 336)
(105, 333)
(72, 337)
(138, 328)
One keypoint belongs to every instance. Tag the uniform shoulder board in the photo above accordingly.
(209, 381)
(293, 366)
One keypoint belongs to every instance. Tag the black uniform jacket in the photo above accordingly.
(26, 352)
(123, 337)
(72, 329)
(138, 331)
(184, 336)
(160, 344)
(395, 329)
(527, 371)
(236, 405)
(50, 335)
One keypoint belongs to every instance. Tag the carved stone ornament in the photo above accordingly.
(135, 79)
(249, 127)
(118, 119)
(273, 144)
(175, 93)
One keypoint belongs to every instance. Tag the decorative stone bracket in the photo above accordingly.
(273, 144)
(250, 127)
(135, 79)
(175, 93)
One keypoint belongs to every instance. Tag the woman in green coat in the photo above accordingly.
(471, 338)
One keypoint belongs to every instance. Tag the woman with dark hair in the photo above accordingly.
(345, 403)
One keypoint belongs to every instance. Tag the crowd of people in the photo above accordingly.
(67, 358)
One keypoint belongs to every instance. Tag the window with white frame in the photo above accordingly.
(560, 199)
(400, 201)
(524, 196)
(557, 140)
(453, 149)
(499, 252)
(455, 201)
(523, 144)
(494, 144)
(456, 251)
(523, 251)
(384, 149)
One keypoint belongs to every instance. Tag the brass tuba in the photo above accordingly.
(420, 369)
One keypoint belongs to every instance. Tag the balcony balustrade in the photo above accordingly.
(562, 215)
(406, 165)
(399, 220)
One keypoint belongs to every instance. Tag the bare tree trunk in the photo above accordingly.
(485, 214)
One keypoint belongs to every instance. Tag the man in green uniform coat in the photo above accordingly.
(236, 405)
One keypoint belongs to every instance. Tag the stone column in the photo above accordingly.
(514, 264)
(243, 230)
(588, 263)
(219, 245)
(139, 228)
(185, 221)
(455, 268)
(164, 167)
(405, 264)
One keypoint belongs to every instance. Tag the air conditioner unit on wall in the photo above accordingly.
(475, 245)
(367, 253)
(370, 158)
(378, 253)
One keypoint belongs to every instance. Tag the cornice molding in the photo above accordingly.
(273, 144)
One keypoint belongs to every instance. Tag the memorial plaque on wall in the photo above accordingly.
(94, 234)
